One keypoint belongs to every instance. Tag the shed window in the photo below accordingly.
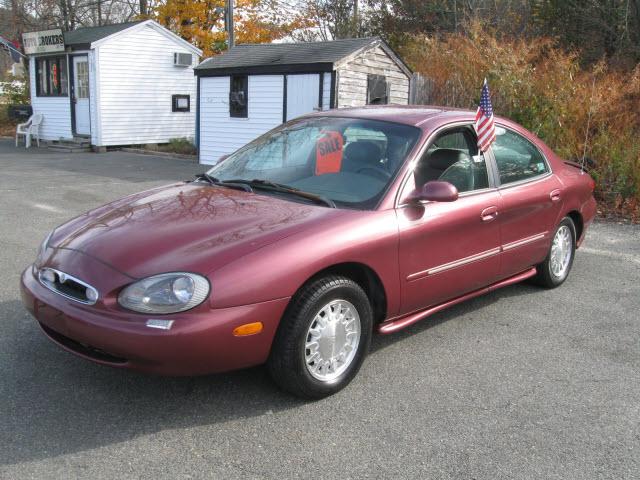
(180, 103)
(51, 77)
(377, 90)
(238, 96)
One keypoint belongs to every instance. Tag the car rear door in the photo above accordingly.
(531, 201)
(448, 249)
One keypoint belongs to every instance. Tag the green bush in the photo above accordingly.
(183, 146)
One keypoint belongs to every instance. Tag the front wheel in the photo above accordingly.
(554, 270)
(323, 338)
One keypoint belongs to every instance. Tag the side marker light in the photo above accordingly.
(248, 329)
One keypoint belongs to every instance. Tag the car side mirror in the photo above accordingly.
(435, 191)
(223, 158)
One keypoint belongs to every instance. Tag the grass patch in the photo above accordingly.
(181, 146)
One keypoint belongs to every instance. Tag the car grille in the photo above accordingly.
(67, 286)
(82, 349)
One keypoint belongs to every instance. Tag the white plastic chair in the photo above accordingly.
(31, 128)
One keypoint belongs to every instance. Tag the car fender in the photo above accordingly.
(280, 269)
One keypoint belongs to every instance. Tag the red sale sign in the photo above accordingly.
(329, 153)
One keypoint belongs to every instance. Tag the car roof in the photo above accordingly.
(415, 115)
(425, 117)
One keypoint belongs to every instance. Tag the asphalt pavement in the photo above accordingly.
(520, 383)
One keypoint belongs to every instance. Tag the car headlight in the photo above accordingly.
(44, 244)
(165, 293)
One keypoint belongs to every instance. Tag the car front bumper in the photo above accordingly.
(198, 343)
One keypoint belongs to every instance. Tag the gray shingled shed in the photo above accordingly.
(253, 88)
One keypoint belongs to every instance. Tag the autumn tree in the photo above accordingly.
(201, 22)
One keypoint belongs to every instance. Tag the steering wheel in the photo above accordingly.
(377, 172)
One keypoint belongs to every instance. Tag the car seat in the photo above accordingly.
(361, 154)
(434, 165)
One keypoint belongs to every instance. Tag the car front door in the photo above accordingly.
(449, 249)
(531, 201)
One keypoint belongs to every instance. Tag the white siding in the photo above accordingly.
(352, 78)
(56, 111)
(93, 99)
(303, 94)
(326, 91)
(219, 133)
(136, 80)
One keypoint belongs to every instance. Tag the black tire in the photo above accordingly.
(287, 364)
(545, 276)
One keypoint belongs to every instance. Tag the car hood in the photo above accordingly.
(184, 227)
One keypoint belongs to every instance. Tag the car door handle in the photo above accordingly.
(555, 195)
(489, 213)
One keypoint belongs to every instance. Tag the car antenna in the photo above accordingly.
(586, 135)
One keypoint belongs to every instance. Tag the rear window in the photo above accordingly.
(516, 157)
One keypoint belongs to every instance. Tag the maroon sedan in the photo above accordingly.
(296, 248)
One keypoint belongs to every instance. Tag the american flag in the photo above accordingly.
(485, 128)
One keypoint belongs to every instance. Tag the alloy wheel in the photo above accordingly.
(332, 340)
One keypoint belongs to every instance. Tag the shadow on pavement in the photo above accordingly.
(380, 342)
(56, 403)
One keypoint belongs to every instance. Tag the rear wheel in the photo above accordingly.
(323, 338)
(554, 270)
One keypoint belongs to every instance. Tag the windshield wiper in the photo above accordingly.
(280, 187)
(220, 183)
(206, 177)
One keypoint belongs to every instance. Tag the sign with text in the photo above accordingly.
(329, 153)
(46, 41)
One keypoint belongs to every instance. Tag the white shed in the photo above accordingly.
(251, 89)
(121, 84)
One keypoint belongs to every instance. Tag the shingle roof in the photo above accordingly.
(285, 54)
(87, 35)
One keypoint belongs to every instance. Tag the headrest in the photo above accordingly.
(443, 158)
(363, 151)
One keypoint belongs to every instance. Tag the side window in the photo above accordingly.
(517, 158)
(453, 157)
(455, 140)
(51, 77)
(377, 90)
(239, 96)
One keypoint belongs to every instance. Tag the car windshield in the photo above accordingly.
(349, 161)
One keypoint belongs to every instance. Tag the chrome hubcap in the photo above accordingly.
(561, 251)
(332, 340)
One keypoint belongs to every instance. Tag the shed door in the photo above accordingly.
(303, 94)
(81, 95)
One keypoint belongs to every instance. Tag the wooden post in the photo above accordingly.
(231, 37)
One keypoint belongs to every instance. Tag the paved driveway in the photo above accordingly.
(521, 383)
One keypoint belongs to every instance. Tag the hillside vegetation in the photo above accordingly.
(578, 111)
